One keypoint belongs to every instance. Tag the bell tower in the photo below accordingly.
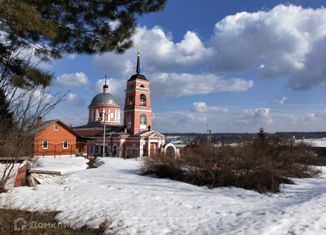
(138, 108)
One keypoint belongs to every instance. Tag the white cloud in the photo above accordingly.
(202, 107)
(281, 100)
(179, 122)
(184, 84)
(162, 59)
(287, 40)
(159, 53)
(309, 118)
(41, 94)
(71, 80)
(260, 116)
(116, 88)
(76, 100)
(314, 72)
(180, 84)
(235, 120)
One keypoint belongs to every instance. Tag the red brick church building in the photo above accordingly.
(135, 137)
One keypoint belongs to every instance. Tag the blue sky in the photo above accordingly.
(234, 65)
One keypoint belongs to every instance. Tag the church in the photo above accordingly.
(105, 134)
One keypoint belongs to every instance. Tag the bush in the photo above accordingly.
(261, 165)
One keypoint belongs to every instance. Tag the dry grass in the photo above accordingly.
(261, 165)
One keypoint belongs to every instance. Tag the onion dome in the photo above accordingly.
(104, 98)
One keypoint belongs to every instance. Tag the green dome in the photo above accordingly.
(104, 98)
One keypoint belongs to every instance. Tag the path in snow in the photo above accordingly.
(161, 206)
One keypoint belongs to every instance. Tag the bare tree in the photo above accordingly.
(19, 110)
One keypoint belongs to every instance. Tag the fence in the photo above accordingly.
(57, 150)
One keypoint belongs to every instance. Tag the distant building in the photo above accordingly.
(135, 137)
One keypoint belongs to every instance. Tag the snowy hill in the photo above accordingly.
(160, 206)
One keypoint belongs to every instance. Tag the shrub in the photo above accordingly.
(261, 165)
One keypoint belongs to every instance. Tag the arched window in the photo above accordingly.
(143, 122)
(142, 86)
(100, 115)
(129, 121)
(143, 99)
(130, 100)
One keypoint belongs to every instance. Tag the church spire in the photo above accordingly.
(138, 63)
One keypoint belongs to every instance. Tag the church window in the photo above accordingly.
(143, 122)
(100, 114)
(129, 121)
(130, 100)
(143, 99)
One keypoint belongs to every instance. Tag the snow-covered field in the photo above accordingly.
(160, 206)
(321, 142)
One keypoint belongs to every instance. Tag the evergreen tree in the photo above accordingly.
(261, 139)
(261, 134)
(51, 28)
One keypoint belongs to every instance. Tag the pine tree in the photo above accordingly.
(52, 28)
(261, 134)
(261, 139)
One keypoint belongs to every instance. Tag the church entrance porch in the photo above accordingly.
(153, 149)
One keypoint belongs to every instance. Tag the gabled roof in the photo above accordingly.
(49, 123)
(151, 133)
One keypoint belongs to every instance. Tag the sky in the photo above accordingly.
(229, 65)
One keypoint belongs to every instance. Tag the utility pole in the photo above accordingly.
(103, 119)
(104, 135)
(209, 135)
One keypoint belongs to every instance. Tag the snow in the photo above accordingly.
(321, 142)
(62, 165)
(150, 205)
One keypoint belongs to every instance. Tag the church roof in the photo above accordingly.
(151, 133)
(109, 128)
(50, 122)
(137, 76)
(104, 98)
